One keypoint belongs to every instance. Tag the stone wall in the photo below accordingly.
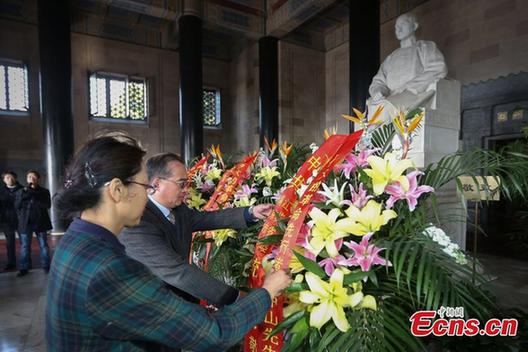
(337, 100)
(301, 94)
(21, 136)
(244, 99)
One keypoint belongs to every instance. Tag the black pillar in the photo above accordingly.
(55, 91)
(191, 118)
(364, 52)
(269, 89)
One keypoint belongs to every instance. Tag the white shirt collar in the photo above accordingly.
(164, 210)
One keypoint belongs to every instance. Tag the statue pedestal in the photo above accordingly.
(439, 136)
(439, 132)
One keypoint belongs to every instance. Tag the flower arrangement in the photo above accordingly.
(230, 257)
(370, 251)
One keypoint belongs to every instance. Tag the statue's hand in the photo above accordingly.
(377, 97)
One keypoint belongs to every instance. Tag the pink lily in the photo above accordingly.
(398, 192)
(302, 238)
(278, 195)
(246, 191)
(365, 255)
(318, 198)
(358, 199)
(206, 186)
(266, 162)
(353, 161)
(330, 264)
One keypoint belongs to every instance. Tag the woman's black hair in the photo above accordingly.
(100, 160)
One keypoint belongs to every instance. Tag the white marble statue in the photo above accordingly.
(407, 78)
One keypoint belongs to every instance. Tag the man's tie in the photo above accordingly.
(171, 218)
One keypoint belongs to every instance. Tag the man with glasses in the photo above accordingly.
(162, 241)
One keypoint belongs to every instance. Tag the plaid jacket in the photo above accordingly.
(99, 299)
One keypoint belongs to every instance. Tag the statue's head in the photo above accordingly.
(406, 25)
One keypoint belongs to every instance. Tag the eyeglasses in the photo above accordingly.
(149, 188)
(180, 183)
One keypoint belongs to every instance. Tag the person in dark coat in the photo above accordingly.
(162, 240)
(8, 215)
(32, 204)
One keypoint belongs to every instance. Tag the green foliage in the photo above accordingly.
(382, 138)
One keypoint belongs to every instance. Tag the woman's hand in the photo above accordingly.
(276, 281)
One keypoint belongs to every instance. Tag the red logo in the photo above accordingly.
(423, 323)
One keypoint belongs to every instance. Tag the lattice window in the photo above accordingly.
(118, 97)
(14, 96)
(211, 107)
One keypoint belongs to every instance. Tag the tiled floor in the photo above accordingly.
(511, 283)
(22, 304)
(22, 301)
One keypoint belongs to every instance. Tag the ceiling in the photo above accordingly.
(153, 23)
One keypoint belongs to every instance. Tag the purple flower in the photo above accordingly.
(398, 192)
(358, 199)
(353, 161)
(365, 255)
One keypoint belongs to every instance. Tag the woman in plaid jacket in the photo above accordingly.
(99, 299)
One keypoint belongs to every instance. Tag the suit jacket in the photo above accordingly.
(165, 248)
(99, 299)
(32, 206)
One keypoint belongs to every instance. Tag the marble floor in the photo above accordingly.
(22, 301)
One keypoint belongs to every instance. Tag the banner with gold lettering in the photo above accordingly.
(225, 190)
(309, 177)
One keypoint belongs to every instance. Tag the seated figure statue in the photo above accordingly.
(407, 78)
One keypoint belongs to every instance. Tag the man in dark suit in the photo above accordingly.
(32, 204)
(162, 241)
(8, 215)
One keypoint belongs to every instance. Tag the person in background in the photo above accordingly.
(32, 204)
(98, 298)
(8, 215)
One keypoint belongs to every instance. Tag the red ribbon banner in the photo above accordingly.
(319, 165)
